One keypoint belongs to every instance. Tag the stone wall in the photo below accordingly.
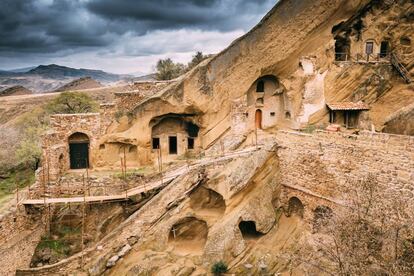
(55, 144)
(126, 101)
(321, 165)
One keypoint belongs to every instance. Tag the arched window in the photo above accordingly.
(321, 217)
(260, 86)
(287, 115)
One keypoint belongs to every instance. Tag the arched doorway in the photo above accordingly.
(258, 119)
(79, 151)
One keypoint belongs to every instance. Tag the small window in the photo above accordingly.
(260, 86)
(405, 41)
(369, 48)
(190, 143)
(287, 115)
(272, 114)
(155, 143)
(102, 146)
(132, 149)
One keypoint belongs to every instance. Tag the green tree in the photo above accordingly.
(29, 152)
(197, 59)
(31, 125)
(72, 103)
(168, 69)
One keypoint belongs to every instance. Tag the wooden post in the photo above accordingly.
(44, 195)
(122, 167)
(125, 166)
(87, 178)
(17, 192)
(160, 163)
(83, 221)
(48, 170)
(255, 133)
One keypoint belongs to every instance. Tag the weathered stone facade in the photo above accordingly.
(317, 168)
(56, 145)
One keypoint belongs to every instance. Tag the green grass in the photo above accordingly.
(309, 129)
(133, 173)
(68, 231)
(22, 178)
(57, 246)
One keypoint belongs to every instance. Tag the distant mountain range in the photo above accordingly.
(46, 78)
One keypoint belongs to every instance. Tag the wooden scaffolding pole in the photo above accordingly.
(255, 134)
(125, 166)
(17, 192)
(83, 220)
(160, 164)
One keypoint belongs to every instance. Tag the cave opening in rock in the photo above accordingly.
(189, 235)
(405, 41)
(260, 87)
(207, 202)
(248, 230)
(295, 207)
(342, 48)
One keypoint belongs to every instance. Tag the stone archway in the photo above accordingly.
(189, 236)
(322, 215)
(79, 150)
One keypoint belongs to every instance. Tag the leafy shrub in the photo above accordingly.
(72, 103)
(219, 268)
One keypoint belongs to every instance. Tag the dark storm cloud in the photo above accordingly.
(147, 15)
(48, 26)
(33, 29)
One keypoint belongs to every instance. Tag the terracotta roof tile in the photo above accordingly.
(348, 106)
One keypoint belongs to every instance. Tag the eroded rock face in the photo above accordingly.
(188, 235)
(205, 199)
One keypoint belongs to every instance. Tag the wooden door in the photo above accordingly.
(79, 155)
(258, 119)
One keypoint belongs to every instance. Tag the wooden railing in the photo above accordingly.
(400, 68)
(380, 57)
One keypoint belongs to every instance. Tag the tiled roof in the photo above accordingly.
(348, 106)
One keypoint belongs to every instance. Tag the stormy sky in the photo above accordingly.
(120, 36)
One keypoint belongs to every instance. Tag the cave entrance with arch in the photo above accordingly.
(79, 151)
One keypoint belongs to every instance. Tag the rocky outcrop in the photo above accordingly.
(15, 91)
(79, 84)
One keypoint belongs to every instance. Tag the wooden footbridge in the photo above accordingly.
(168, 177)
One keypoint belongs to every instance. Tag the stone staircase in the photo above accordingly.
(400, 68)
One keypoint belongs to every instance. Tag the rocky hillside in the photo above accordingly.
(15, 90)
(80, 84)
(46, 78)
